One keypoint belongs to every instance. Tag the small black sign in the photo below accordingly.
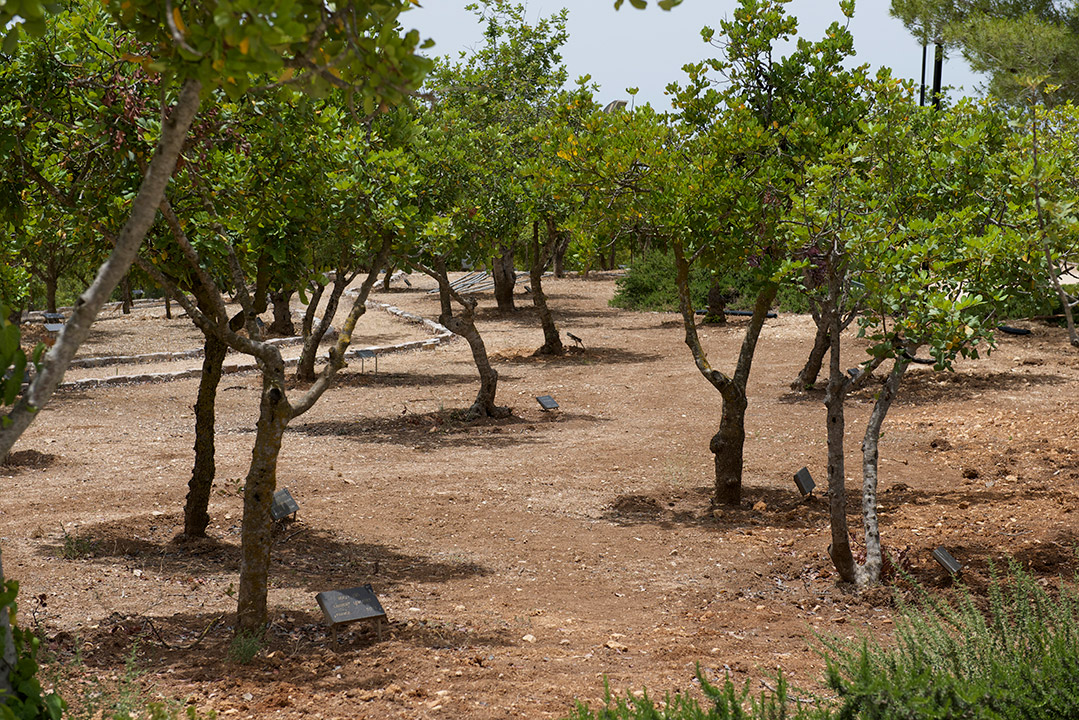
(53, 317)
(284, 505)
(946, 560)
(343, 606)
(547, 402)
(804, 481)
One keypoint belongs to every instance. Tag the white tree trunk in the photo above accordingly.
(143, 211)
(869, 573)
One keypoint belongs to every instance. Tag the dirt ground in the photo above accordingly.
(522, 561)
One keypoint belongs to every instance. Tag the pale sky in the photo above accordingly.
(647, 48)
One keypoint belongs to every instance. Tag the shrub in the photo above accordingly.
(649, 285)
(1019, 658)
(725, 703)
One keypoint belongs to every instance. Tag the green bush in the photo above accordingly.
(1019, 658)
(724, 703)
(27, 700)
(649, 285)
(1015, 658)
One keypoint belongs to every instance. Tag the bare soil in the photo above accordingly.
(520, 561)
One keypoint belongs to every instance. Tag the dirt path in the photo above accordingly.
(522, 561)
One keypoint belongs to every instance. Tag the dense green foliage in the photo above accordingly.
(649, 285)
(28, 701)
(723, 703)
(1017, 659)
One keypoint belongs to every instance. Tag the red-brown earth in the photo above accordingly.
(520, 561)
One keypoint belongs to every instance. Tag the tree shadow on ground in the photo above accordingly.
(399, 379)
(297, 653)
(19, 460)
(594, 355)
(431, 430)
(926, 388)
(528, 316)
(682, 507)
(895, 495)
(303, 556)
(989, 557)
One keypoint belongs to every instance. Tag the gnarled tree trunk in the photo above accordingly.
(807, 377)
(505, 276)
(465, 326)
(126, 301)
(196, 507)
(552, 341)
(561, 247)
(727, 444)
(305, 369)
(260, 484)
(282, 314)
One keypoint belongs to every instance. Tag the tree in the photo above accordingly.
(215, 46)
(198, 49)
(742, 145)
(496, 96)
(929, 22)
(894, 227)
(1014, 41)
(1041, 183)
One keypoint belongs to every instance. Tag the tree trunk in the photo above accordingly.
(717, 305)
(125, 295)
(465, 326)
(196, 508)
(839, 550)
(727, 446)
(308, 322)
(143, 211)
(260, 484)
(168, 307)
(807, 378)
(552, 341)
(305, 369)
(921, 95)
(869, 573)
(728, 443)
(386, 279)
(282, 314)
(505, 277)
(613, 255)
(938, 67)
(561, 247)
(51, 282)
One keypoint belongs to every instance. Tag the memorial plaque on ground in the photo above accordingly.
(368, 355)
(344, 606)
(949, 563)
(284, 505)
(804, 481)
(547, 402)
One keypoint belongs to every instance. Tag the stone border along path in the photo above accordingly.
(442, 335)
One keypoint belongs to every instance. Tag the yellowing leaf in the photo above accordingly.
(179, 21)
(245, 44)
(287, 74)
